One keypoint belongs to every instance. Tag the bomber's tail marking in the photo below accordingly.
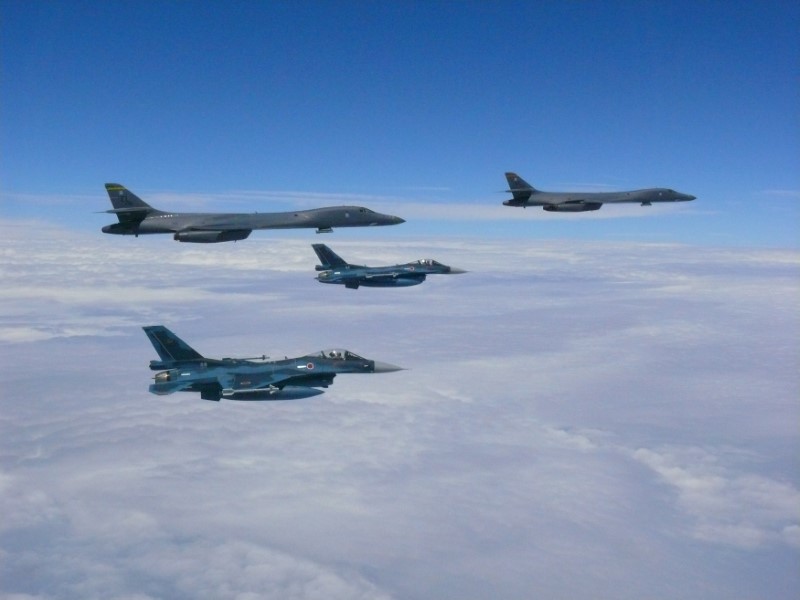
(519, 188)
(128, 207)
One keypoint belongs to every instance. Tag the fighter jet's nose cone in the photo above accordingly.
(398, 220)
(690, 197)
(382, 367)
(455, 271)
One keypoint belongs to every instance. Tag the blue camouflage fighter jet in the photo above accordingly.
(336, 270)
(182, 369)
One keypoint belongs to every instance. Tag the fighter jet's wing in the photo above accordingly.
(323, 380)
(243, 384)
(372, 278)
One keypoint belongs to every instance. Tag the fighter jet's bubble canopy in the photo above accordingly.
(429, 262)
(339, 354)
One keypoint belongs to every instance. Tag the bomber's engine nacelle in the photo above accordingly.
(211, 237)
(122, 228)
(586, 206)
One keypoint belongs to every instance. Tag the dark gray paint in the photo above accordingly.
(136, 217)
(526, 195)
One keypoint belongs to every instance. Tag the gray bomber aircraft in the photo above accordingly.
(336, 270)
(183, 369)
(136, 217)
(524, 194)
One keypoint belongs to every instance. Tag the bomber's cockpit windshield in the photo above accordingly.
(339, 354)
(428, 262)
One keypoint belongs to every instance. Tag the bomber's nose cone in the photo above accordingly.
(383, 367)
(456, 271)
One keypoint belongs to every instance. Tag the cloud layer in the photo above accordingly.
(601, 420)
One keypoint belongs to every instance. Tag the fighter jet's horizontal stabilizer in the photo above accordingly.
(136, 217)
(524, 194)
(183, 369)
(334, 269)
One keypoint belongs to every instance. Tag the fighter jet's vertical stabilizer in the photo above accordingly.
(328, 258)
(171, 349)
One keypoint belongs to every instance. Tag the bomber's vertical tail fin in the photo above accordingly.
(128, 207)
(519, 188)
(170, 348)
(327, 257)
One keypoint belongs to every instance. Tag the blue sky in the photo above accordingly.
(411, 104)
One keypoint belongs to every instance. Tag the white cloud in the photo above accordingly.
(578, 420)
(741, 509)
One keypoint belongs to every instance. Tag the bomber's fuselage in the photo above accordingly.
(320, 218)
(645, 196)
(526, 195)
